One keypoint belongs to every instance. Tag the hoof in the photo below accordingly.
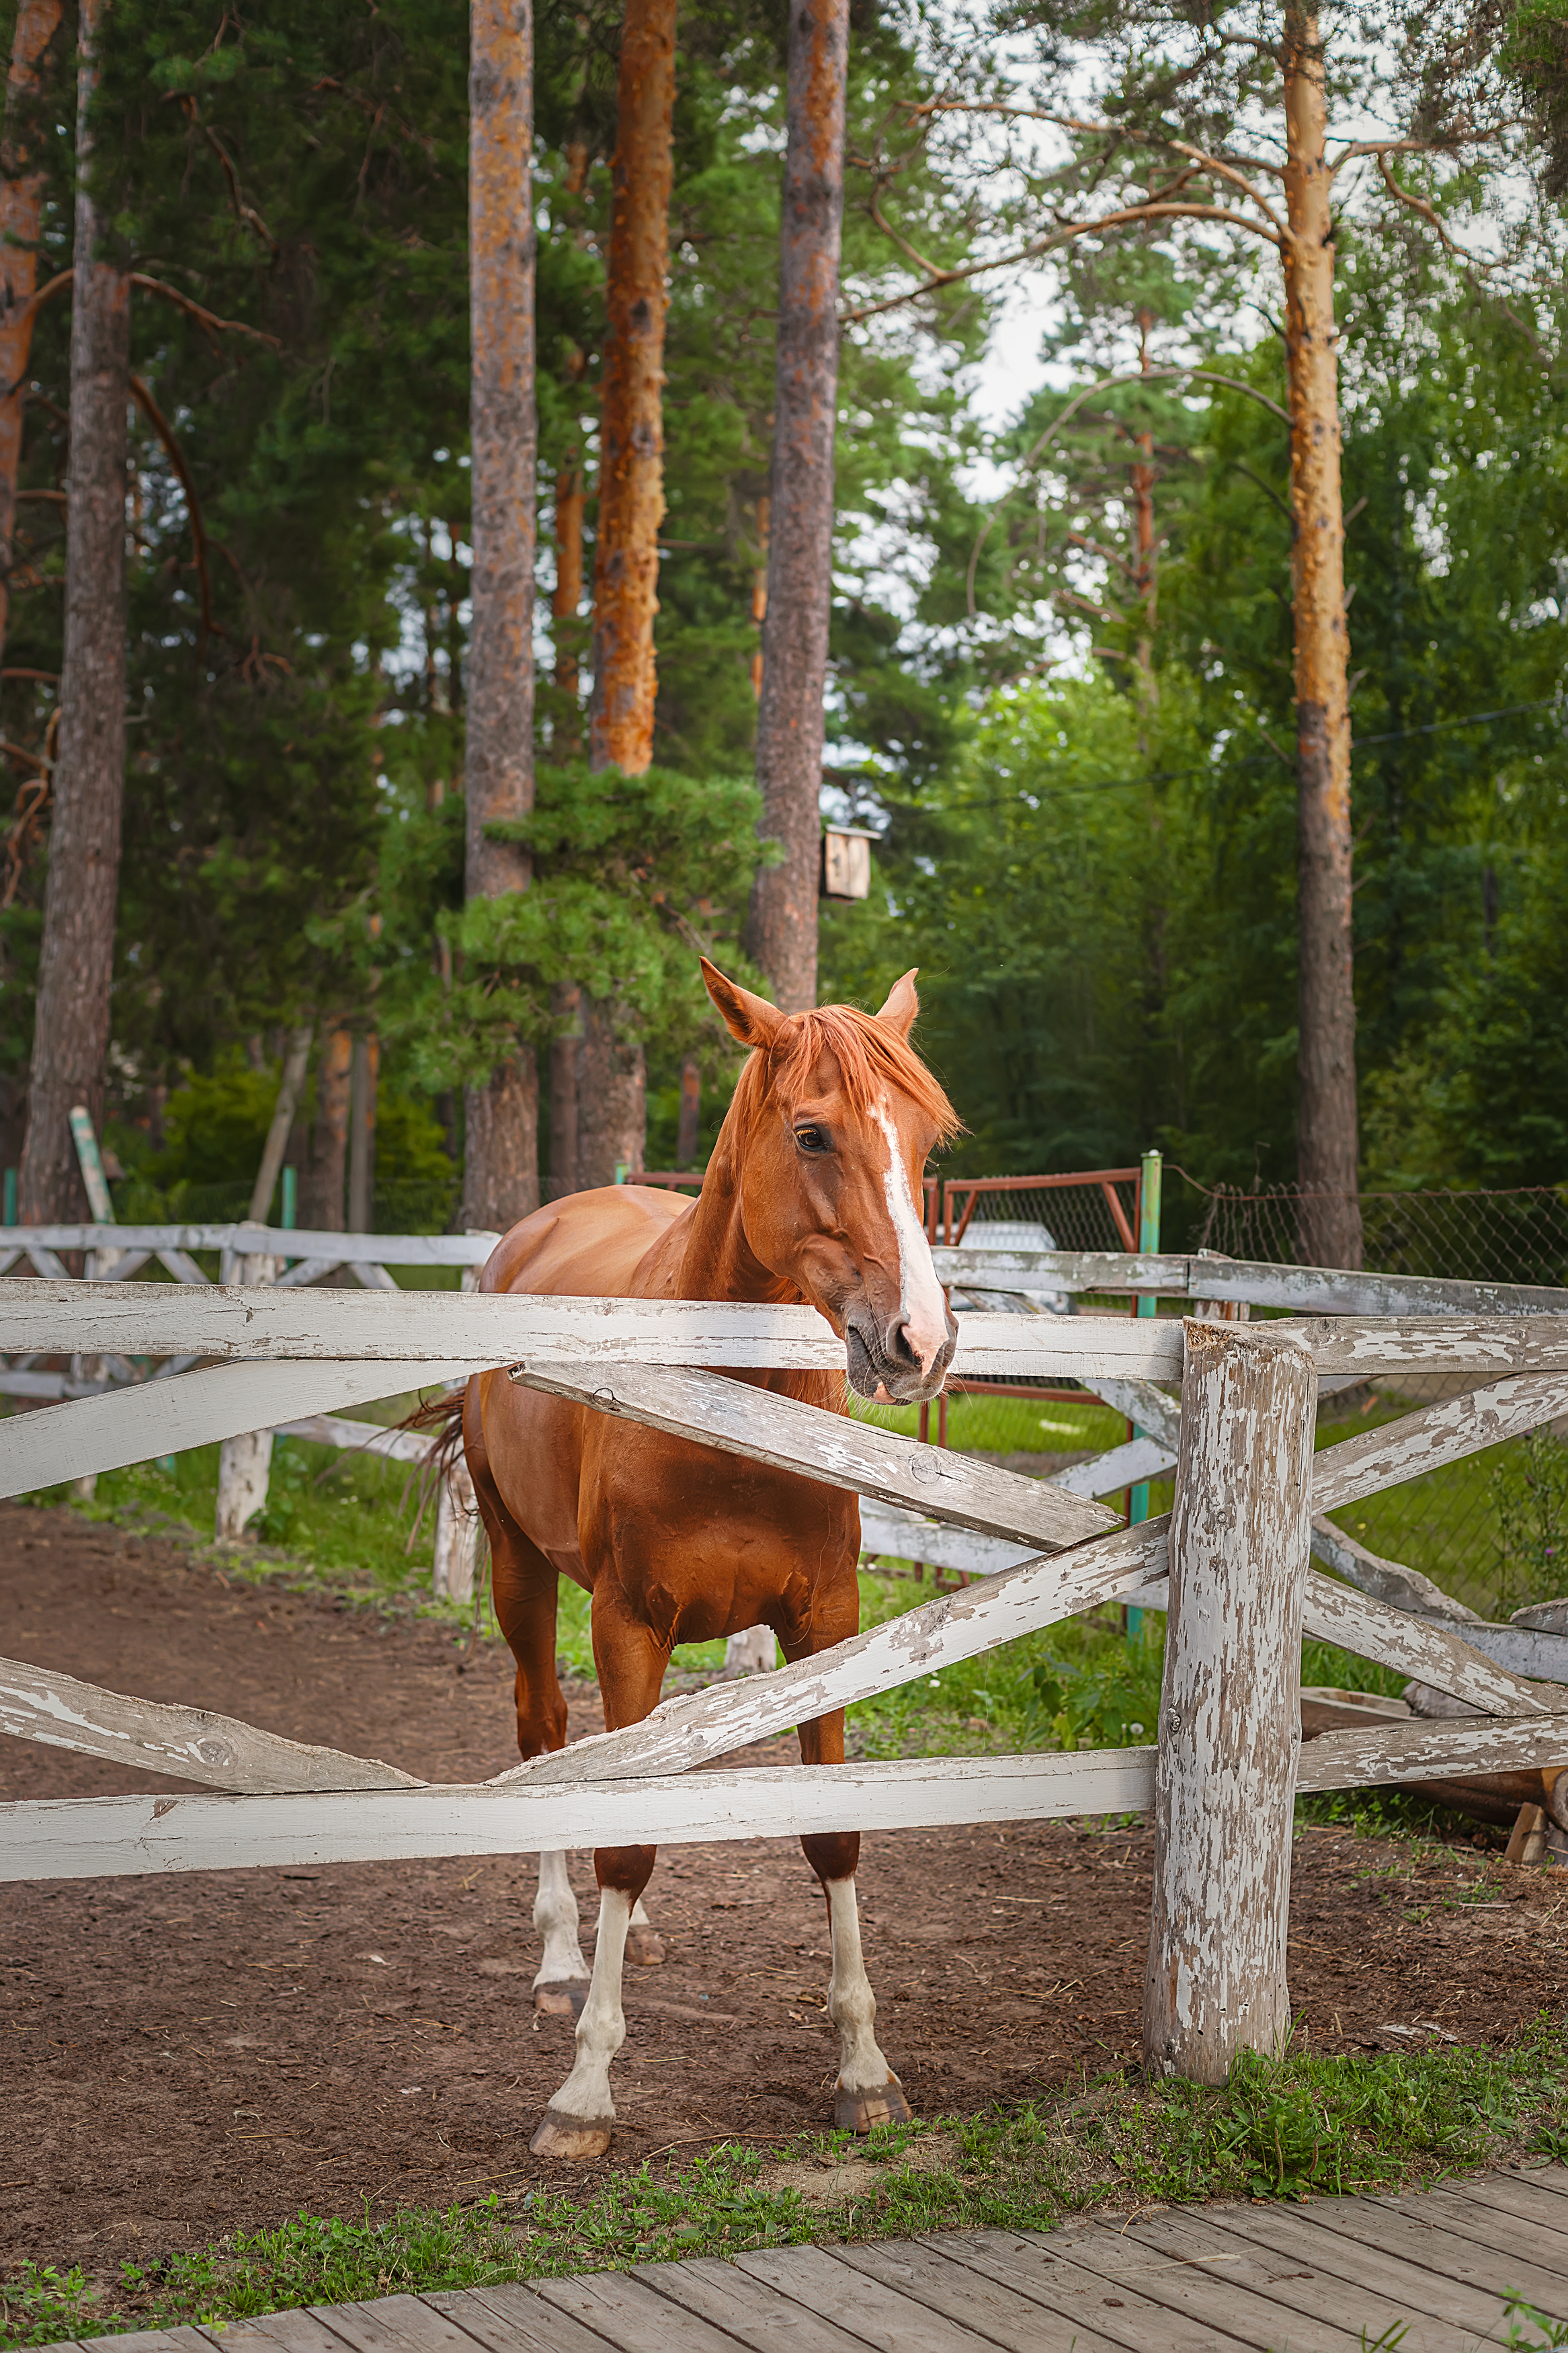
(645, 1947)
(564, 1998)
(573, 2137)
(860, 2112)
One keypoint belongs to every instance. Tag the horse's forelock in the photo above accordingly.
(871, 1058)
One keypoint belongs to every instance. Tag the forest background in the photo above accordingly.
(1071, 731)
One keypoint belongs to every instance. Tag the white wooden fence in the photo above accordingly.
(254, 1255)
(287, 1258)
(1232, 1566)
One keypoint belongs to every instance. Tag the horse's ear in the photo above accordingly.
(751, 1021)
(902, 1004)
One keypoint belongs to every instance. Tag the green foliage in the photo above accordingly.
(1042, 879)
(632, 876)
(214, 1131)
(1097, 874)
(1530, 1488)
(1110, 1700)
(1536, 57)
(41, 2305)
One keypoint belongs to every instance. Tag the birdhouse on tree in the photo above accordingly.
(846, 863)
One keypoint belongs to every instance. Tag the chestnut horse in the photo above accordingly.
(810, 1197)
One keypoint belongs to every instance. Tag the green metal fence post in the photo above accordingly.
(291, 1198)
(1149, 1240)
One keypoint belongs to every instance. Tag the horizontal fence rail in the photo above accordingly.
(256, 1241)
(1260, 1282)
(75, 1837)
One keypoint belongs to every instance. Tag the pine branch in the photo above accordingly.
(31, 802)
(1133, 375)
(1064, 234)
(160, 426)
(245, 214)
(207, 319)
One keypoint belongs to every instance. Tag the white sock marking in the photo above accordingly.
(851, 2004)
(602, 2028)
(922, 1309)
(555, 1918)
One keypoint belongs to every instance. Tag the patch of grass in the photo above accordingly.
(42, 2305)
(977, 1424)
(336, 1518)
(1291, 2127)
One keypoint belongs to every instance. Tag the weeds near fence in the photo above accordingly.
(1530, 1489)
(1285, 2128)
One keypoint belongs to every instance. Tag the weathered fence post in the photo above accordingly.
(457, 1534)
(245, 1463)
(457, 1513)
(754, 1653)
(1231, 1728)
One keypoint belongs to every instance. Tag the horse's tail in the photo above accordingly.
(443, 1415)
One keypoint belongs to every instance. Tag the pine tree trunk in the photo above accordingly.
(568, 593)
(21, 200)
(612, 1099)
(322, 1202)
(631, 436)
(500, 1180)
(496, 1116)
(363, 1088)
(1330, 1231)
(782, 933)
(565, 1053)
(1147, 579)
(612, 1081)
(70, 1033)
(760, 595)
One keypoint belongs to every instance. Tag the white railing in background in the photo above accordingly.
(254, 1255)
(287, 1258)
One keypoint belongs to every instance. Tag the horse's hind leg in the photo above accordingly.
(524, 1586)
(580, 2119)
(561, 1983)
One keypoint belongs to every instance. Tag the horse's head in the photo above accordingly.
(824, 1150)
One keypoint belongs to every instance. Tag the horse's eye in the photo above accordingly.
(813, 1139)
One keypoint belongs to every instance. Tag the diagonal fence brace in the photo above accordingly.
(830, 1448)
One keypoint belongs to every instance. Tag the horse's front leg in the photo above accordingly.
(580, 2120)
(868, 2092)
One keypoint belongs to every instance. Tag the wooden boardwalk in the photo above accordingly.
(1340, 2276)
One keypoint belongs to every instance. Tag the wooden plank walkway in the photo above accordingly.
(1339, 2275)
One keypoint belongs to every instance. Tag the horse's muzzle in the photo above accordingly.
(881, 1363)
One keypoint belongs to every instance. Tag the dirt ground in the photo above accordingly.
(179, 2055)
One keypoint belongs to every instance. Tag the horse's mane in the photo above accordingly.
(870, 1057)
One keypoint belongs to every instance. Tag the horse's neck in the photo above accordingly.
(716, 1261)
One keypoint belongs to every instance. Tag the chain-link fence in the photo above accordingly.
(1481, 1236)
(1491, 1531)
(1036, 1426)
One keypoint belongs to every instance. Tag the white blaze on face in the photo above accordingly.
(922, 1309)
